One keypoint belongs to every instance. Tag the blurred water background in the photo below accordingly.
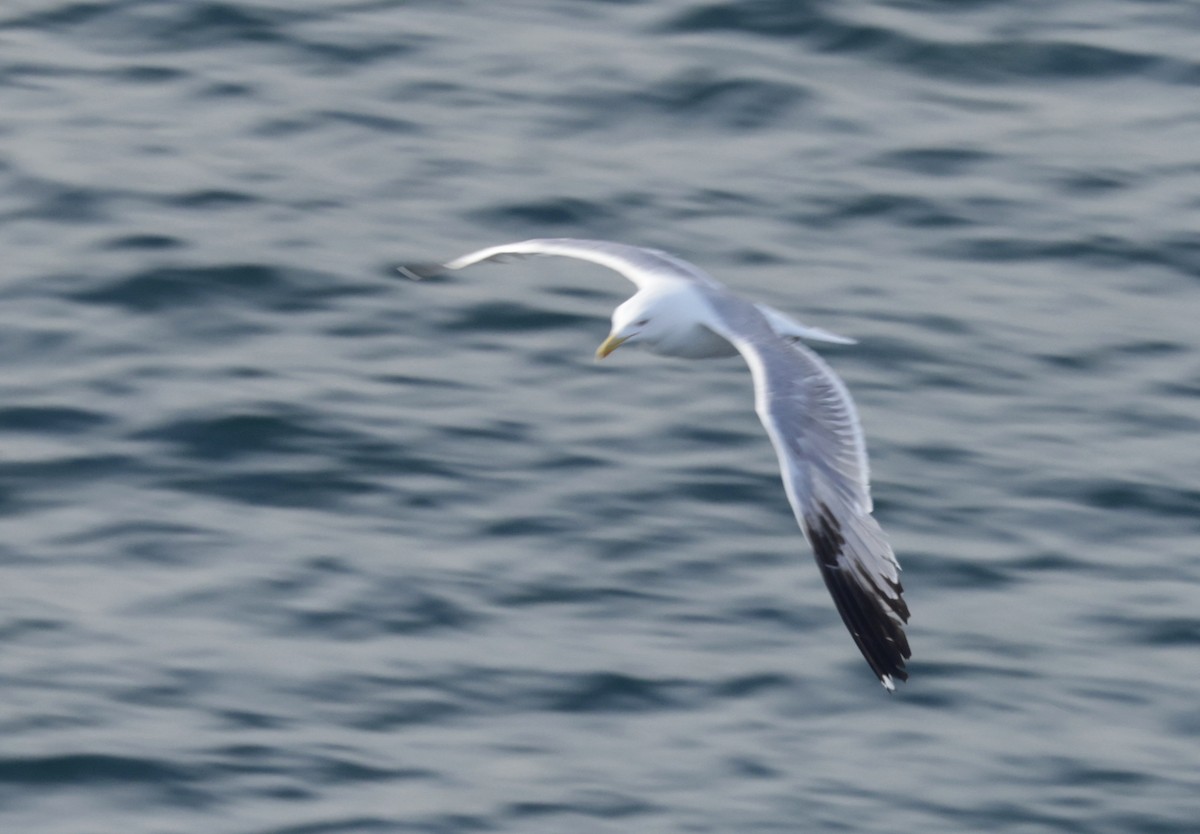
(291, 546)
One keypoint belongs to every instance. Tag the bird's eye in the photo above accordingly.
(641, 322)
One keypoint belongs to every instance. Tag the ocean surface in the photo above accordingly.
(289, 545)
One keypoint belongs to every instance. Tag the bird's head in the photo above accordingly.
(635, 320)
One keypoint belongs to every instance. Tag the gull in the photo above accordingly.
(678, 310)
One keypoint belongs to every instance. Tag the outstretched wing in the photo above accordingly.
(644, 267)
(810, 418)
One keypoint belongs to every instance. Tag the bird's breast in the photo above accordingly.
(692, 342)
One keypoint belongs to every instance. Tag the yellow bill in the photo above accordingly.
(609, 345)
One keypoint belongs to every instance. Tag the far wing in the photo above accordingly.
(644, 267)
(787, 327)
(810, 418)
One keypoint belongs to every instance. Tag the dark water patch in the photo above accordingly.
(719, 202)
(82, 769)
(1129, 695)
(371, 121)
(357, 53)
(215, 25)
(151, 542)
(210, 198)
(937, 323)
(1151, 823)
(60, 15)
(60, 420)
(940, 453)
(1150, 347)
(320, 603)
(305, 766)
(293, 487)
(707, 435)
(402, 611)
(226, 90)
(551, 212)
(901, 358)
(232, 436)
(56, 202)
(1155, 631)
(1051, 562)
(405, 711)
(1015, 816)
(172, 688)
(285, 127)
(377, 702)
(746, 767)
(772, 18)
(751, 686)
(340, 771)
(986, 671)
(506, 430)
(246, 719)
(73, 470)
(574, 291)
(144, 242)
(149, 74)
(533, 594)
(1095, 182)
(1144, 418)
(573, 461)
(1179, 253)
(400, 608)
(597, 804)
(17, 629)
(719, 485)
(369, 825)
(1070, 771)
(390, 460)
(526, 525)
(397, 700)
(934, 162)
(1189, 389)
(613, 692)
(791, 616)
(757, 257)
(386, 462)
(503, 316)
(311, 574)
(1124, 496)
(1039, 61)
(900, 209)
(739, 104)
(1187, 724)
(1091, 362)
(958, 573)
(166, 288)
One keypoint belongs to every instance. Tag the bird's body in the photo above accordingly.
(679, 310)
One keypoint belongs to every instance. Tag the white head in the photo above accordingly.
(642, 318)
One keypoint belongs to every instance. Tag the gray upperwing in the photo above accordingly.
(644, 267)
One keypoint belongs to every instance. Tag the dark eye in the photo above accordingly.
(641, 322)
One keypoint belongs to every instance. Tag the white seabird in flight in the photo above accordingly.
(678, 310)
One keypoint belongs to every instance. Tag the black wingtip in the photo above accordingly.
(874, 618)
(419, 272)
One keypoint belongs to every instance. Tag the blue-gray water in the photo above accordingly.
(291, 546)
